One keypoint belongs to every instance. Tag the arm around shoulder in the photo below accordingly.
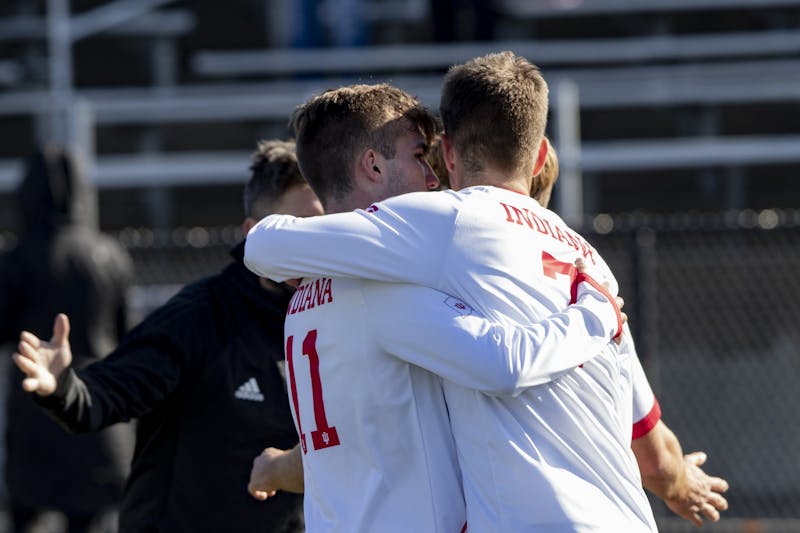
(381, 243)
(445, 336)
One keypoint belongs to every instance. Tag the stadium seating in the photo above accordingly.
(699, 78)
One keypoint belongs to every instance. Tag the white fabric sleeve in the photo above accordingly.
(444, 335)
(379, 243)
(646, 410)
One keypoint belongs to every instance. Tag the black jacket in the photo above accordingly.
(202, 375)
(62, 264)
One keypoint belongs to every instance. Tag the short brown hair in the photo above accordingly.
(333, 128)
(274, 171)
(494, 110)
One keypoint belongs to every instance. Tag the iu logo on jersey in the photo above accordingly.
(461, 307)
(326, 438)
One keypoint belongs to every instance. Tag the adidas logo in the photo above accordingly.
(249, 391)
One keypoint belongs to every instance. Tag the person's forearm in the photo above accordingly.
(660, 460)
(82, 403)
(291, 471)
(70, 404)
(679, 479)
(663, 471)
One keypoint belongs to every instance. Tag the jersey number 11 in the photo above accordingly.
(325, 435)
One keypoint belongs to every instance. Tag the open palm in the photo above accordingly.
(43, 362)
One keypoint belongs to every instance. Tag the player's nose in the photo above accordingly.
(431, 180)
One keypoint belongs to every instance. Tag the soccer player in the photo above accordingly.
(555, 456)
(377, 450)
(676, 478)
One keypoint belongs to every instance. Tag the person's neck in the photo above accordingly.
(350, 202)
(497, 179)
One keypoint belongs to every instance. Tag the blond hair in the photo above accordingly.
(547, 177)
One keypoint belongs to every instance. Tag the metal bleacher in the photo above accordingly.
(710, 69)
(709, 290)
(538, 9)
(621, 83)
(563, 52)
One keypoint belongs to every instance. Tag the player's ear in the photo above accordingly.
(247, 224)
(370, 164)
(448, 154)
(541, 157)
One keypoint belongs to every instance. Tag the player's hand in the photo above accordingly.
(620, 304)
(262, 483)
(580, 265)
(275, 470)
(43, 362)
(703, 498)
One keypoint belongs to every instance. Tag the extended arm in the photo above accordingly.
(677, 478)
(666, 472)
(445, 336)
(122, 386)
(379, 244)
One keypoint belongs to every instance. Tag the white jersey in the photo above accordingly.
(556, 457)
(378, 453)
(646, 410)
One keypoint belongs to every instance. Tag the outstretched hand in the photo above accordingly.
(43, 362)
(703, 498)
(580, 266)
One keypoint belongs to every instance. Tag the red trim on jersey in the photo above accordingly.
(325, 435)
(464, 529)
(552, 266)
(293, 390)
(643, 426)
(582, 276)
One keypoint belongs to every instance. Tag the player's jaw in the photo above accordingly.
(409, 170)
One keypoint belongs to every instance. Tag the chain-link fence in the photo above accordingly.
(715, 309)
(167, 259)
(714, 306)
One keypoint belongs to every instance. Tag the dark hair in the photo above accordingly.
(333, 128)
(494, 110)
(274, 170)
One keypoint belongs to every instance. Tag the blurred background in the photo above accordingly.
(677, 124)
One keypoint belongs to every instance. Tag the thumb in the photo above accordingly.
(30, 384)
(697, 458)
(60, 330)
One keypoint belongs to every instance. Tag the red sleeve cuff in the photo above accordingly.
(643, 426)
(582, 276)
